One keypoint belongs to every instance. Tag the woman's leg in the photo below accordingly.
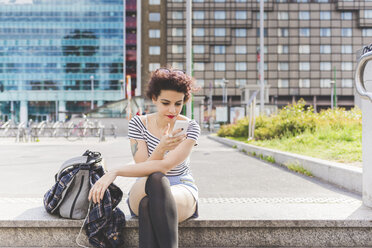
(163, 210)
(147, 237)
(186, 204)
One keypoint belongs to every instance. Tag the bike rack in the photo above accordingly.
(359, 75)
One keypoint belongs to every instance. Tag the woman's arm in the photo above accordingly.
(171, 160)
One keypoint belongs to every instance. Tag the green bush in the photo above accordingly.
(296, 119)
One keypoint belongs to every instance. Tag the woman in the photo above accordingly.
(166, 193)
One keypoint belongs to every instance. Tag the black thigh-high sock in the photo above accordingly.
(163, 210)
(147, 237)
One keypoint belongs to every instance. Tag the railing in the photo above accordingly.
(70, 130)
(359, 74)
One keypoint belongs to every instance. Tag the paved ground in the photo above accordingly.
(227, 180)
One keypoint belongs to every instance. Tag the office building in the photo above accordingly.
(309, 45)
(63, 57)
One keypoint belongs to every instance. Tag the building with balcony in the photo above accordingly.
(309, 44)
(63, 57)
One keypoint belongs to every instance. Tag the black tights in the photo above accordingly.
(158, 221)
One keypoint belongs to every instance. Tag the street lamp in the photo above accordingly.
(92, 91)
(332, 83)
(224, 91)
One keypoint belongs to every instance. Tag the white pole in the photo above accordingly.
(139, 47)
(188, 51)
(332, 94)
(262, 77)
(92, 92)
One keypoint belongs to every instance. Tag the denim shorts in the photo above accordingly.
(185, 180)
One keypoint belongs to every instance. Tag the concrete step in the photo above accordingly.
(223, 222)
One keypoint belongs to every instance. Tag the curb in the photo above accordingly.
(341, 175)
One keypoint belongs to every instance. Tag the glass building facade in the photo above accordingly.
(58, 56)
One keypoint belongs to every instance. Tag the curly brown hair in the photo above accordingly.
(170, 79)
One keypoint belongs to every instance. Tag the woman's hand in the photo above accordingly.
(169, 142)
(99, 188)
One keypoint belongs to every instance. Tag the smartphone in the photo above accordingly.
(180, 124)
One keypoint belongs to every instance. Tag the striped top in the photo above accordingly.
(137, 130)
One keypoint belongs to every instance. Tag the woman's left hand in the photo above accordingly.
(99, 188)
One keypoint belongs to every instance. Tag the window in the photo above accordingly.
(178, 15)
(325, 48)
(283, 66)
(368, 13)
(347, 66)
(325, 83)
(198, 15)
(240, 32)
(177, 65)
(219, 49)
(304, 49)
(283, 49)
(304, 83)
(346, 49)
(154, 2)
(199, 32)
(220, 15)
(177, 49)
(283, 83)
(177, 31)
(154, 33)
(219, 1)
(258, 16)
(200, 82)
(258, 32)
(346, 32)
(325, 15)
(198, 49)
(346, 15)
(304, 66)
(283, 15)
(199, 66)
(325, 32)
(240, 49)
(240, 66)
(346, 83)
(154, 17)
(177, 1)
(304, 15)
(240, 82)
(219, 32)
(367, 32)
(153, 66)
(154, 50)
(283, 32)
(198, 1)
(240, 15)
(305, 32)
(325, 66)
(219, 66)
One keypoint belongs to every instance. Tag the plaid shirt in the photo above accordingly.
(105, 222)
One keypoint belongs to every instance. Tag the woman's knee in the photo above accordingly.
(156, 179)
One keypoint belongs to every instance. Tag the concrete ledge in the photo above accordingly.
(344, 176)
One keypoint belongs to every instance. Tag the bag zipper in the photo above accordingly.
(77, 195)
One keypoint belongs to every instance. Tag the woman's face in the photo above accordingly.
(169, 104)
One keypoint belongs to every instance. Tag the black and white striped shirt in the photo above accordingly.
(137, 130)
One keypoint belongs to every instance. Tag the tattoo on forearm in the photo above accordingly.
(134, 148)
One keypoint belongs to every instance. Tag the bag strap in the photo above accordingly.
(88, 158)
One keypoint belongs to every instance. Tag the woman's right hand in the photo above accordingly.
(169, 142)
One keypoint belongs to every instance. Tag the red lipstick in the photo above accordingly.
(170, 116)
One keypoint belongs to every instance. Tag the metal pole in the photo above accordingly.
(92, 92)
(188, 51)
(332, 94)
(139, 48)
(262, 78)
(124, 41)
